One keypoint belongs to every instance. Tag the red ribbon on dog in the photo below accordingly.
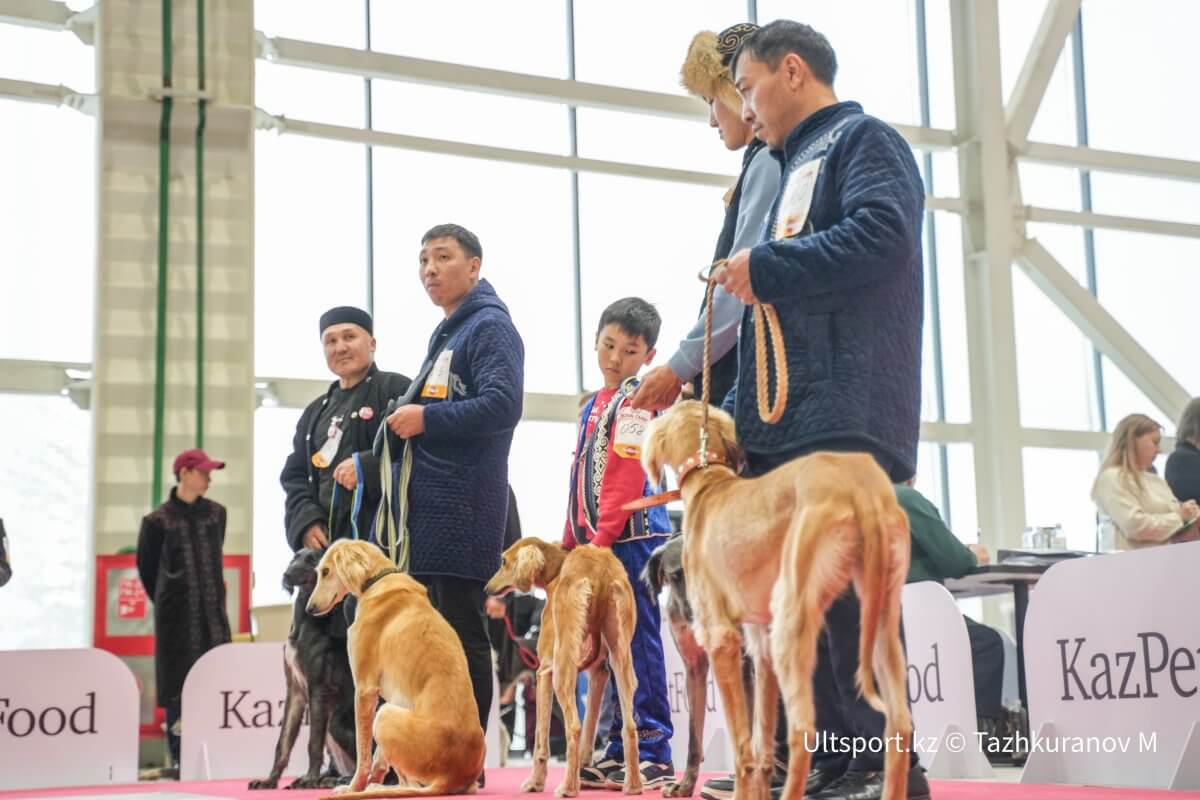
(710, 459)
(653, 500)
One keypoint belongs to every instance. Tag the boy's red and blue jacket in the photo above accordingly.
(605, 477)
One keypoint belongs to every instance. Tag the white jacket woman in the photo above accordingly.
(1138, 501)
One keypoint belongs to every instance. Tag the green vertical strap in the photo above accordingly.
(202, 118)
(160, 346)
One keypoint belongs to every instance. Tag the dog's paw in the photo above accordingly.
(263, 783)
(314, 782)
(682, 789)
(632, 788)
(533, 786)
(564, 790)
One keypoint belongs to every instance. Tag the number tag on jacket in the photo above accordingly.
(797, 199)
(630, 431)
(437, 385)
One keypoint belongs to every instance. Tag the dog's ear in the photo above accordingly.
(302, 571)
(528, 566)
(652, 450)
(652, 574)
(350, 565)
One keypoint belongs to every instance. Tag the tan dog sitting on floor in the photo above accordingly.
(771, 553)
(402, 649)
(590, 613)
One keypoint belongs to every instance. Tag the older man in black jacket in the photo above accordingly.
(331, 456)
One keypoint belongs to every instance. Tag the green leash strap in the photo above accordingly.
(391, 530)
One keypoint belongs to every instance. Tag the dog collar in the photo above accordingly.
(685, 469)
(378, 576)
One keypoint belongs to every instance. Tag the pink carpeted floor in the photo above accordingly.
(505, 784)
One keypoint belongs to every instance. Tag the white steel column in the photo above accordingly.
(129, 74)
(985, 176)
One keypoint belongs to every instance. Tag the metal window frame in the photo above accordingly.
(992, 205)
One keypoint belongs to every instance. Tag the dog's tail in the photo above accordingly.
(873, 523)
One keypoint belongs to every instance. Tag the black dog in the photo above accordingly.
(665, 568)
(319, 682)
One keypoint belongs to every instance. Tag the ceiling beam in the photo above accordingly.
(1030, 89)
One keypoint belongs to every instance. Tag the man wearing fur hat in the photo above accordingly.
(331, 451)
(706, 75)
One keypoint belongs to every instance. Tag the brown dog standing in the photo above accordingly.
(771, 553)
(590, 614)
(402, 649)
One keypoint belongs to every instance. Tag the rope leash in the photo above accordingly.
(766, 322)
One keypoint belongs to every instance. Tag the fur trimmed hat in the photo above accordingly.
(706, 73)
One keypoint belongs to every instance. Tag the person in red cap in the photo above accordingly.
(179, 559)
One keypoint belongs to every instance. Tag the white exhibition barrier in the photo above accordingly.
(941, 684)
(233, 702)
(941, 688)
(67, 718)
(715, 741)
(1112, 670)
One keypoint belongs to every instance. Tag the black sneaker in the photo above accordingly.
(857, 785)
(654, 776)
(596, 776)
(722, 788)
(818, 780)
(717, 788)
(854, 785)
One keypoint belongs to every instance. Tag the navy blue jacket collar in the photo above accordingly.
(811, 124)
(481, 297)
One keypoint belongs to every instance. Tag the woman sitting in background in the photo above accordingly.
(1183, 465)
(1137, 500)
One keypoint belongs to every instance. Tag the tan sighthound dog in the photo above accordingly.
(770, 554)
(590, 614)
(401, 649)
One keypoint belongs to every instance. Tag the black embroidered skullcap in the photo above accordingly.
(730, 39)
(342, 314)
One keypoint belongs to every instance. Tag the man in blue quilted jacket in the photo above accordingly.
(459, 425)
(840, 260)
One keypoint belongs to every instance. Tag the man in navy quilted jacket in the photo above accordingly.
(840, 259)
(459, 427)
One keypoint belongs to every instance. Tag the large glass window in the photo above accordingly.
(1053, 356)
(309, 246)
(953, 306)
(44, 505)
(529, 37)
(310, 94)
(539, 471)
(1058, 488)
(472, 117)
(1146, 282)
(343, 24)
(642, 45)
(54, 57)
(645, 238)
(47, 231)
(1160, 40)
(877, 62)
(655, 141)
(273, 432)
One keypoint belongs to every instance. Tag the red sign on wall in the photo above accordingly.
(124, 620)
(131, 599)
